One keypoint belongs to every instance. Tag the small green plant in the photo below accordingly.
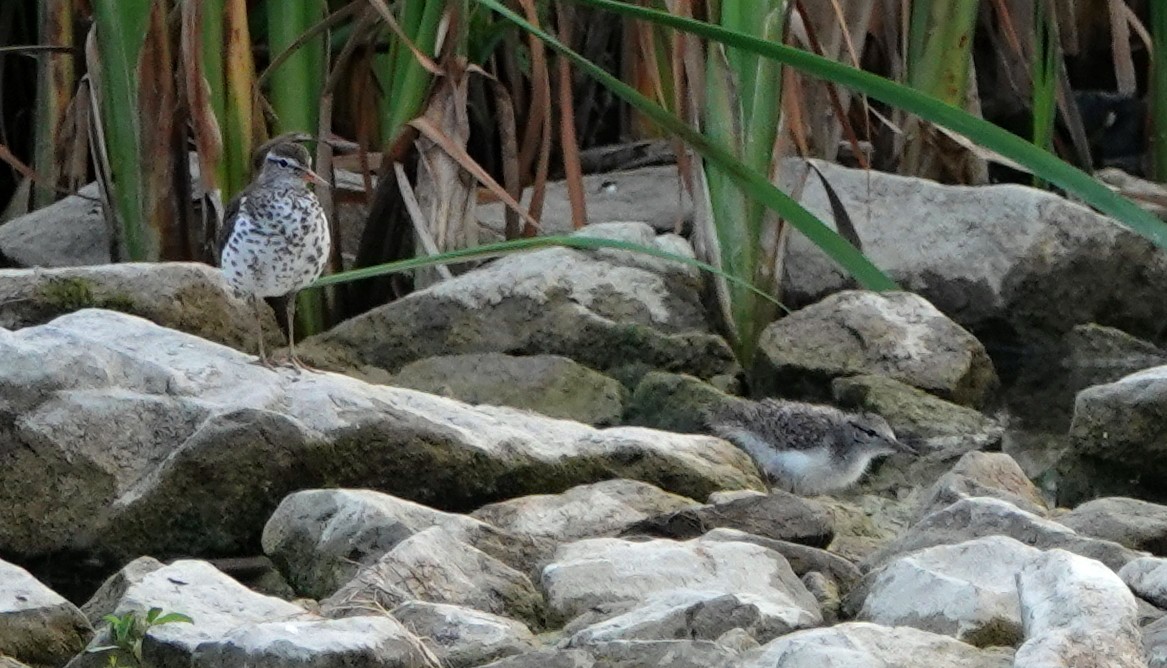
(128, 630)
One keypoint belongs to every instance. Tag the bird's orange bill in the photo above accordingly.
(905, 447)
(312, 176)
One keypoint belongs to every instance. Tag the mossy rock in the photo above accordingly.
(672, 402)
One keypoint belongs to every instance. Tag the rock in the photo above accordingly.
(992, 474)
(547, 384)
(1076, 613)
(864, 523)
(1147, 578)
(546, 658)
(216, 604)
(694, 614)
(862, 644)
(461, 637)
(588, 511)
(321, 538)
(600, 571)
(966, 591)
(779, 515)
(663, 654)
(105, 600)
(652, 194)
(603, 309)
(672, 402)
(68, 233)
(916, 416)
(9, 662)
(1136, 524)
(188, 296)
(37, 625)
(328, 643)
(983, 516)
(434, 566)
(803, 559)
(895, 334)
(826, 591)
(1050, 375)
(1014, 259)
(110, 424)
(1116, 441)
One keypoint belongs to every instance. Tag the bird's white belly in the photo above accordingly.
(266, 263)
(814, 471)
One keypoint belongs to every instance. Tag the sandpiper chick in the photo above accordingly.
(805, 448)
(275, 238)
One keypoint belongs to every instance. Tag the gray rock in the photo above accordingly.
(588, 511)
(216, 604)
(328, 643)
(461, 637)
(671, 401)
(966, 591)
(9, 662)
(1155, 643)
(604, 309)
(188, 296)
(917, 416)
(803, 559)
(112, 423)
(546, 658)
(600, 571)
(1014, 257)
(105, 600)
(67, 233)
(1076, 613)
(321, 538)
(992, 474)
(862, 644)
(778, 515)
(37, 625)
(663, 654)
(434, 566)
(1136, 524)
(978, 517)
(1116, 441)
(548, 384)
(896, 334)
(1147, 578)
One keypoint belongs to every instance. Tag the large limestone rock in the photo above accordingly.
(328, 643)
(321, 538)
(1076, 613)
(862, 644)
(668, 577)
(992, 474)
(898, 334)
(68, 233)
(1136, 524)
(978, 517)
(188, 296)
(604, 309)
(1117, 441)
(1008, 257)
(588, 511)
(109, 426)
(37, 625)
(778, 515)
(216, 605)
(548, 384)
(1147, 578)
(434, 566)
(462, 637)
(966, 591)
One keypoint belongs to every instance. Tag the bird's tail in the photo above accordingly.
(724, 417)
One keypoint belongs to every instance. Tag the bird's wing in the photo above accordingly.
(230, 216)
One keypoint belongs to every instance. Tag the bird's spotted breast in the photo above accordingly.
(279, 244)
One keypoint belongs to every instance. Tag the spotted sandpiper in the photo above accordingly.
(805, 448)
(275, 238)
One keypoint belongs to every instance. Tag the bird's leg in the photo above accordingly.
(255, 305)
(292, 358)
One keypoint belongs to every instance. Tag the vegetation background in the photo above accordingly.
(439, 105)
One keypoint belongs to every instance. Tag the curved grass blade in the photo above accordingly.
(532, 243)
(750, 181)
(1039, 161)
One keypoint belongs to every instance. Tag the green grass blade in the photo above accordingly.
(752, 182)
(1039, 161)
(527, 244)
